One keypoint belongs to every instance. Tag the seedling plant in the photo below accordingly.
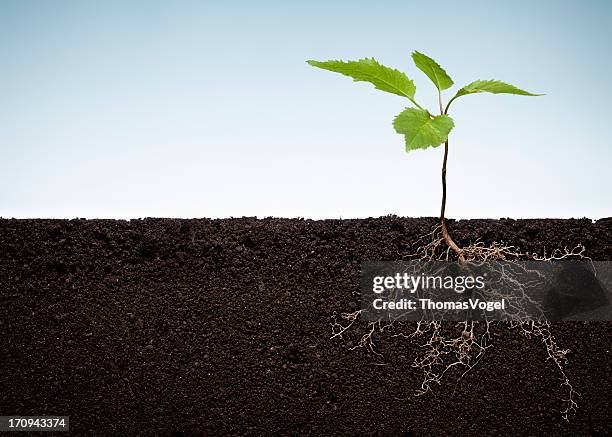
(420, 127)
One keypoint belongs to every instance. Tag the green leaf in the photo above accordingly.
(421, 130)
(369, 70)
(492, 86)
(438, 76)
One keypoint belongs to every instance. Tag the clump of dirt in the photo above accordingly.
(164, 326)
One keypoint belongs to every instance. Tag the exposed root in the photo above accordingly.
(450, 242)
(558, 356)
(366, 340)
(338, 328)
(464, 350)
(450, 345)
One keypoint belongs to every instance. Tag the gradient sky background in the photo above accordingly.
(207, 109)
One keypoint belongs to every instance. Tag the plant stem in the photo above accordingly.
(415, 103)
(448, 104)
(445, 235)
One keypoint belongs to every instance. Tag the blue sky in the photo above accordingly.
(207, 109)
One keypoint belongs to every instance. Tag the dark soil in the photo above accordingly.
(222, 327)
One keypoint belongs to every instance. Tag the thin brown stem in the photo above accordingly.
(445, 234)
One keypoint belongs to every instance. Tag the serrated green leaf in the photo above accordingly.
(369, 70)
(421, 130)
(432, 69)
(492, 86)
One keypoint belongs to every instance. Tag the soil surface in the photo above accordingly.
(222, 327)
